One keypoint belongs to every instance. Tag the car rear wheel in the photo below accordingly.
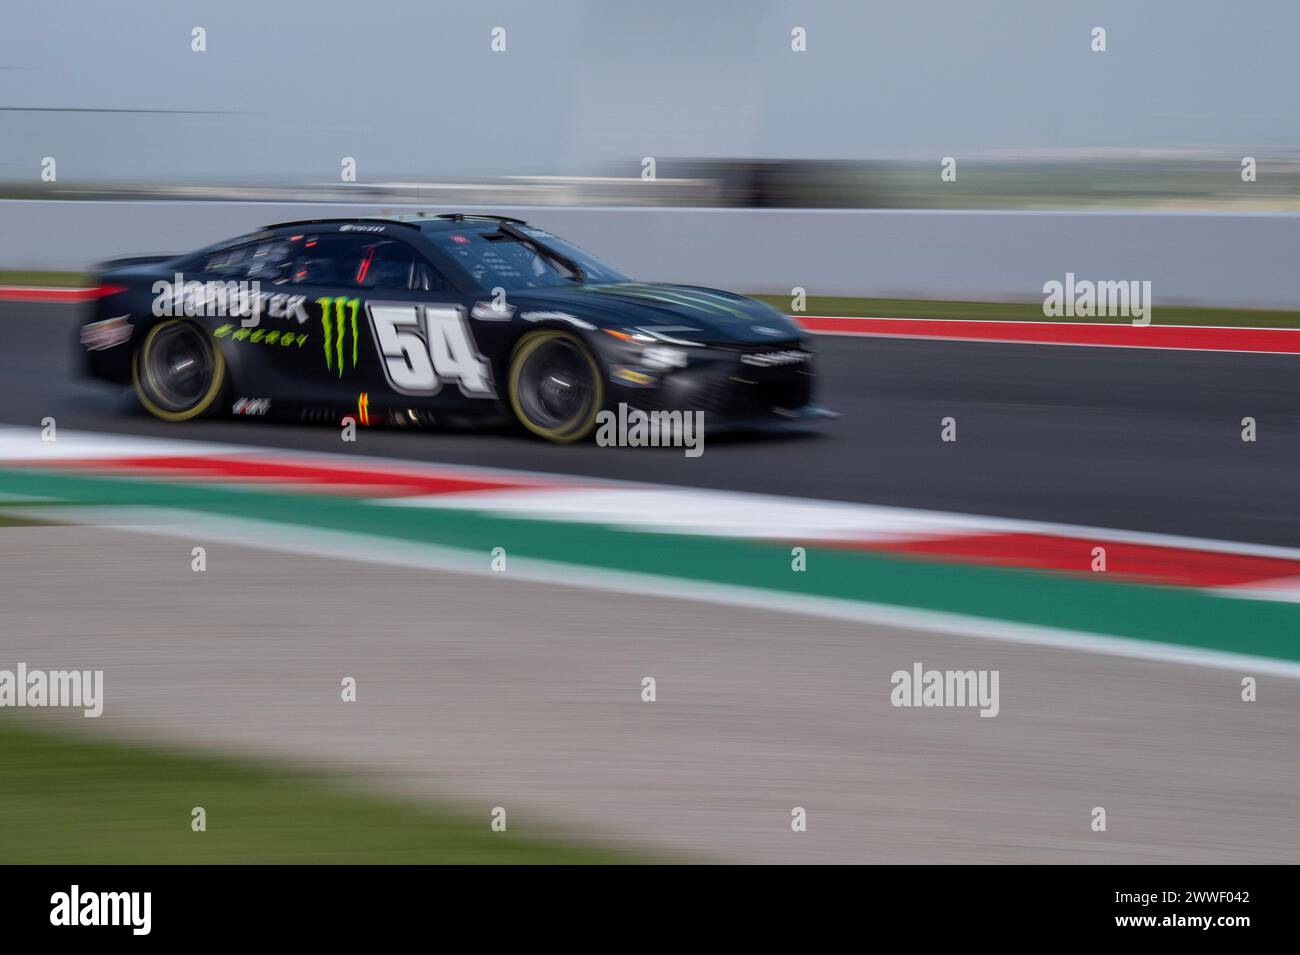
(556, 388)
(178, 372)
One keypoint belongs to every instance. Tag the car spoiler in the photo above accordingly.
(343, 220)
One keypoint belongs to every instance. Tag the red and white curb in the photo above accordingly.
(29, 293)
(1263, 341)
(1225, 567)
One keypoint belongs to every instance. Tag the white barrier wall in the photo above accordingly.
(1209, 259)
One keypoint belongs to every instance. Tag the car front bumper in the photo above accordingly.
(737, 387)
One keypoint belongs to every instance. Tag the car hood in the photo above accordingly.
(686, 312)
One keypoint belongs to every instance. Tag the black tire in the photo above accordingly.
(178, 372)
(556, 386)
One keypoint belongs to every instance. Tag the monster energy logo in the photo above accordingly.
(336, 314)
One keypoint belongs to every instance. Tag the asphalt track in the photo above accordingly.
(1108, 437)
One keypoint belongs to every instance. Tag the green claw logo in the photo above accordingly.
(336, 328)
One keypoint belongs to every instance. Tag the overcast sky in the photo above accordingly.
(412, 89)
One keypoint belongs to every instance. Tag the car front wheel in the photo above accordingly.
(556, 389)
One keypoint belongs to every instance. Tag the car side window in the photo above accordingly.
(320, 260)
(347, 261)
(359, 262)
(425, 278)
(385, 264)
(226, 262)
(229, 261)
(268, 261)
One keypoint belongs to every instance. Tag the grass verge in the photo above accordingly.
(74, 801)
(12, 520)
(46, 279)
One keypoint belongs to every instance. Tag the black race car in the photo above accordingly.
(422, 320)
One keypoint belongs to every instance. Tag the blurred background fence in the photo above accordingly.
(1197, 258)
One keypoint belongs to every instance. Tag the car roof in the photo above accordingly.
(425, 223)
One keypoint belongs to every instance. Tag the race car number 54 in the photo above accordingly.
(424, 345)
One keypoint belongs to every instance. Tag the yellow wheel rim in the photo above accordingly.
(580, 426)
(203, 404)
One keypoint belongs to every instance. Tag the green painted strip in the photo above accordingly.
(1176, 616)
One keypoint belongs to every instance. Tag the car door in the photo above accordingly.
(387, 331)
(264, 343)
(312, 328)
(421, 328)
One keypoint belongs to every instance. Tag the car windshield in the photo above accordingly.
(495, 259)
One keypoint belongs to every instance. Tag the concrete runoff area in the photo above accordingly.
(488, 691)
